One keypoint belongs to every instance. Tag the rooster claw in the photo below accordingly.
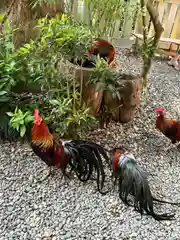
(93, 179)
(50, 173)
(43, 179)
(66, 176)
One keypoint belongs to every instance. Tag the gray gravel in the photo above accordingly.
(59, 209)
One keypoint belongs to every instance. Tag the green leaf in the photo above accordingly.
(54, 102)
(10, 114)
(3, 93)
(9, 45)
(4, 99)
(68, 121)
(29, 119)
(47, 119)
(22, 130)
(14, 125)
(20, 113)
(16, 110)
(21, 122)
(28, 46)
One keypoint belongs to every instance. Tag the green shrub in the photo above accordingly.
(65, 38)
(36, 66)
(106, 78)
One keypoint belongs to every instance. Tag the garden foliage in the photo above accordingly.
(30, 77)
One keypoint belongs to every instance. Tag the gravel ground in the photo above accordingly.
(59, 209)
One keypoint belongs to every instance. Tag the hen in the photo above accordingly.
(133, 182)
(104, 49)
(169, 127)
(83, 157)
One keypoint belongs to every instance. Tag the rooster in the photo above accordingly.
(133, 181)
(169, 127)
(104, 49)
(84, 157)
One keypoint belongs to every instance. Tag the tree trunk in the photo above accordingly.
(23, 17)
(4, 5)
(153, 12)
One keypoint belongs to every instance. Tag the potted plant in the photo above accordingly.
(101, 86)
(120, 92)
(72, 42)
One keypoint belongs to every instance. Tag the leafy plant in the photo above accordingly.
(20, 120)
(7, 66)
(69, 117)
(103, 15)
(109, 16)
(147, 47)
(38, 63)
(106, 78)
(69, 39)
(6, 26)
(39, 60)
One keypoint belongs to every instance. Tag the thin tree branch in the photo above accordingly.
(153, 12)
(143, 10)
(155, 20)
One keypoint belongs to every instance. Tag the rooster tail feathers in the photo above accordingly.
(133, 182)
(78, 158)
(101, 151)
(167, 202)
(86, 158)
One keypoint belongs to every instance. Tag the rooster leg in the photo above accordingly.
(114, 183)
(93, 178)
(65, 174)
(51, 172)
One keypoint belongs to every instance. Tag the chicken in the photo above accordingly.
(169, 127)
(104, 49)
(84, 157)
(45, 146)
(133, 182)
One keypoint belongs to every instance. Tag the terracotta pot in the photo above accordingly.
(123, 110)
(91, 97)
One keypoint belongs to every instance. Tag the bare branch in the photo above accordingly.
(153, 12)
(155, 20)
(143, 11)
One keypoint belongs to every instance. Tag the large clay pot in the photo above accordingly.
(123, 110)
(90, 95)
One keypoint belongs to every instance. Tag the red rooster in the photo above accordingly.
(169, 127)
(83, 157)
(104, 49)
(133, 181)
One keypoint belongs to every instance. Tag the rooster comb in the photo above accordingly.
(159, 110)
(36, 114)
